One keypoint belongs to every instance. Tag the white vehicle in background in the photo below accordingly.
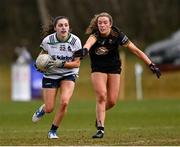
(166, 53)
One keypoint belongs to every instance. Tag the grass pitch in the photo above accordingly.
(148, 122)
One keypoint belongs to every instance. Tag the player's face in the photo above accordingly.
(62, 28)
(104, 25)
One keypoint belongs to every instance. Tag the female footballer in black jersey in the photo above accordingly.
(103, 44)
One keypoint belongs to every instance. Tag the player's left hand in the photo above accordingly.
(155, 70)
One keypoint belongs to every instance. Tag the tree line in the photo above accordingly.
(143, 21)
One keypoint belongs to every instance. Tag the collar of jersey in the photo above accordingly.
(69, 35)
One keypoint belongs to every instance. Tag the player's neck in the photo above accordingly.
(63, 38)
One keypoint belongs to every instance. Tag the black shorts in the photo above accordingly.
(55, 83)
(107, 70)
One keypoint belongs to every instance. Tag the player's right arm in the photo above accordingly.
(43, 52)
(44, 46)
(90, 42)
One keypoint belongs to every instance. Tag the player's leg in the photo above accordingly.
(67, 88)
(49, 95)
(113, 85)
(99, 81)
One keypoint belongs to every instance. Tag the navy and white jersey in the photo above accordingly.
(63, 51)
(104, 54)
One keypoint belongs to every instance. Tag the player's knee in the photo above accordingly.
(111, 103)
(64, 105)
(102, 97)
(49, 109)
(111, 100)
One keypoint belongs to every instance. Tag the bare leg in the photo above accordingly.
(67, 88)
(113, 85)
(99, 81)
(49, 95)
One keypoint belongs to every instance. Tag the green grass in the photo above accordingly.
(147, 122)
(153, 121)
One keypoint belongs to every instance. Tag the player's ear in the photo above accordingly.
(70, 29)
(110, 24)
(55, 29)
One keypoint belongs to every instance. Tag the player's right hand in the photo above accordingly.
(48, 66)
(81, 53)
(38, 68)
(56, 63)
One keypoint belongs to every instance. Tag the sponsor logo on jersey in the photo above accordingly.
(101, 51)
(61, 57)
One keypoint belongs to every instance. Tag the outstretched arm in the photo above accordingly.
(134, 49)
(90, 41)
(84, 51)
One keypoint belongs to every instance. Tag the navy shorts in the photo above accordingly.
(55, 83)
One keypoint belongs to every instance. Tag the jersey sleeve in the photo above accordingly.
(78, 44)
(123, 39)
(44, 44)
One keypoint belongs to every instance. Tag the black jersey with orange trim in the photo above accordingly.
(104, 54)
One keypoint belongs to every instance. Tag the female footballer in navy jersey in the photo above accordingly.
(60, 44)
(103, 44)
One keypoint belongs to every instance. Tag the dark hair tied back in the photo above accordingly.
(49, 29)
(55, 20)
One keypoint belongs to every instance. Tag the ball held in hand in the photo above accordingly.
(42, 62)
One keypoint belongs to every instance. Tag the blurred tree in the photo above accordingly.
(43, 11)
(143, 21)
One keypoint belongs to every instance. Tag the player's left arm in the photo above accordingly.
(73, 64)
(135, 50)
(65, 64)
